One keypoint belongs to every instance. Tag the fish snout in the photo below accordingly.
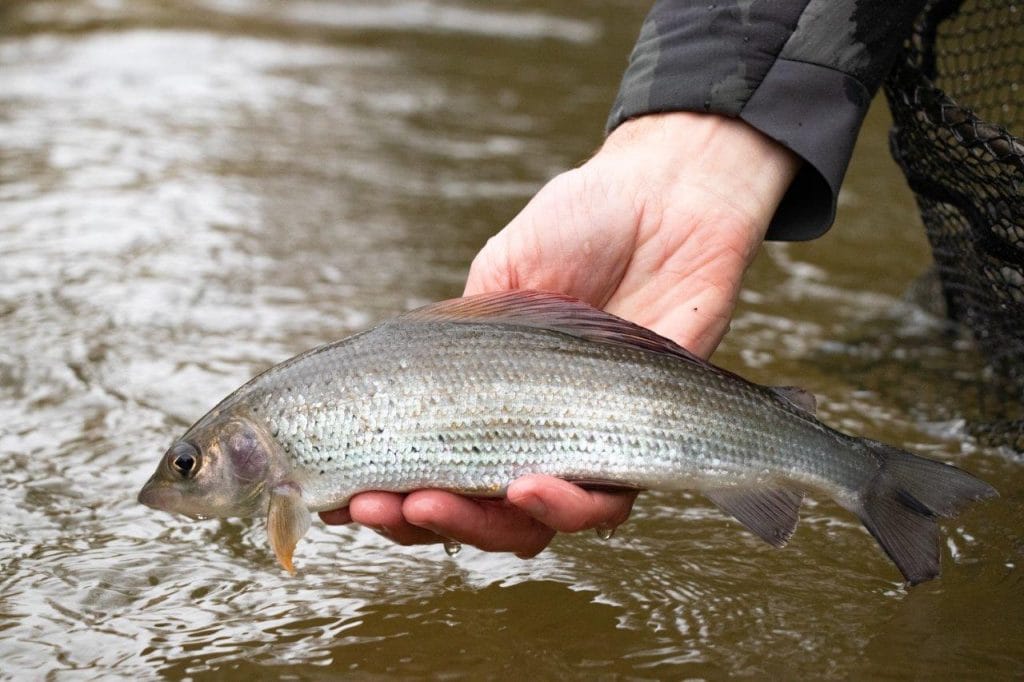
(157, 495)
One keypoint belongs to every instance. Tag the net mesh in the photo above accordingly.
(956, 96)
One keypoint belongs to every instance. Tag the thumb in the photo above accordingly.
(491, 269)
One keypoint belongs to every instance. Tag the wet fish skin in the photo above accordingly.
(468, 395)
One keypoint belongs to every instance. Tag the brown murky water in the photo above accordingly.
(192, 191)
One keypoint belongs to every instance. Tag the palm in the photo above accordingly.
(618, 249)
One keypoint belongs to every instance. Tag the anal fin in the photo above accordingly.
(770, 513)
(287, 521)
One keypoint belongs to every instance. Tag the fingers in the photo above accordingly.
(432, 516)
(491, 525)
(523, 523)
(569, 508)
(336, 517)
(383, 513)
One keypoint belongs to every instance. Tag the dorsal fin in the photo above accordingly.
(556, 312)
(799, 397)
(568, 315)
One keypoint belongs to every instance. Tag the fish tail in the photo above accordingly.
(903, 498)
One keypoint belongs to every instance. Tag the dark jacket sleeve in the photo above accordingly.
(801, 71)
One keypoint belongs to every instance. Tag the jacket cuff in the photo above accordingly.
(816, 112)
(813, 110)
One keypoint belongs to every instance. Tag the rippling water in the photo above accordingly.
(192, 191)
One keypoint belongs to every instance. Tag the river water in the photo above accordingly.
(192, 191)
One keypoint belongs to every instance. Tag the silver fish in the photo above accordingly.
(468, 395)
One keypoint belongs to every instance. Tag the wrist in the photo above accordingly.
(735, 172)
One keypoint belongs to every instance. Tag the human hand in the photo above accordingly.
(657, 227)
(524, 521)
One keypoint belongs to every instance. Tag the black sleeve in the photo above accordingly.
(801, 71)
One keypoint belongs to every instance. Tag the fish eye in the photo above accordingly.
(184, 459)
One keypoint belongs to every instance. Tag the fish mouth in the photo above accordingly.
(161, 496)
(157, 495)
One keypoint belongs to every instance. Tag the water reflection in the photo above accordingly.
(193, 191)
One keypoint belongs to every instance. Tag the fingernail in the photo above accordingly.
(533, 506)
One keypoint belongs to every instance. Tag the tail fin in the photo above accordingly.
(902, 500)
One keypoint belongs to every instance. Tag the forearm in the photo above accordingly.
(802, 73)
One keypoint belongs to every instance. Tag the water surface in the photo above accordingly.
(192, 191)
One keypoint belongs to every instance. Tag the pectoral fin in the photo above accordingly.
(287, 521)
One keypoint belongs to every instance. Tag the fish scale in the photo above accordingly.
(633, 399)
(468, 395)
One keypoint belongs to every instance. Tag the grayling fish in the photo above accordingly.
(469, 394)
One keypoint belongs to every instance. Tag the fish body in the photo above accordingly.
(468, 395)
